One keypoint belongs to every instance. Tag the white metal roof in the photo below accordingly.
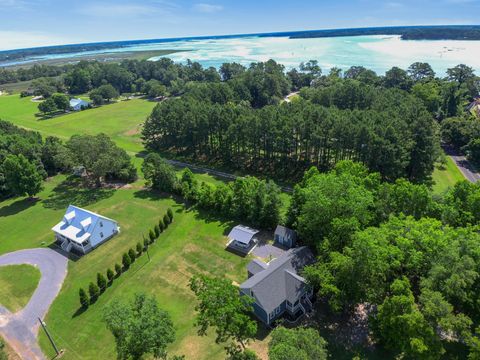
(242, 234)
(77, 224)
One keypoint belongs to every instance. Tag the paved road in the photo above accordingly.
(221, 174)
(463, 165)
(20, 330)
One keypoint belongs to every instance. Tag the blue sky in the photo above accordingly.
(25, 23)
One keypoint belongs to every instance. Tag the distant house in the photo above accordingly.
(82, 230)
(474, 107)
(79, 104)
(285, 236)
(242, 239)
(277, 287)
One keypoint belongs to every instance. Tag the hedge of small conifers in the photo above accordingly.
(95, 289)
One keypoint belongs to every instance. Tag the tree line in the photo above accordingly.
(388, 130)
(249, 199)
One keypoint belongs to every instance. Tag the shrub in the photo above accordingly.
(151, 235)
(110, 275)
(83, 298)
(132, 255)
(118, 269)
(166, 220)
(145, 244)
(157, 231)
(126, 261)
(170, 214)
(161, 225)
(101, 282)
(93, 291)
(139, 249)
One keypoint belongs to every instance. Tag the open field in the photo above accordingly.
(193, 244)
(445, 178)
(17, 284)
(121, 121)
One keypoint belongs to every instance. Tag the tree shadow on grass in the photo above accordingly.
(17, 207)
(72, 191)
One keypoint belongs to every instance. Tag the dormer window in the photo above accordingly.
(101, 224)
(101, 234)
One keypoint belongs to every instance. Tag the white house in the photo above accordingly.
(83, 230)
(79, 104)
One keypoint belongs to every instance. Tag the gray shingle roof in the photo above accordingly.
(280, 281)
(284, 231)
(255, 266)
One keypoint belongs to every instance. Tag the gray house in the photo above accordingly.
(285, 236)
(277, 287)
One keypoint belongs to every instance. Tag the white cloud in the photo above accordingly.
(26, 39)
(207, 8)
(117, 10)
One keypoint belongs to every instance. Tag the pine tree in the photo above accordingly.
(110, 275)
(101, 282)
(118, 269)
(126, 261)
(132, 255)
(166, 220)
(83, 298)
(93, 291)
(157, 231)
(139, 249)
(161, 225)
(151, 235)
(170, 214)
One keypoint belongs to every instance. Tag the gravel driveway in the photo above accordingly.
(21, 329)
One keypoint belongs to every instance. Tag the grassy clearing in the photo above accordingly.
(121, 121)
(446, 178)
(193, 244)
(17, 284)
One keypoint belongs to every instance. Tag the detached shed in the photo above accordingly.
(242, 238)
(285, 236)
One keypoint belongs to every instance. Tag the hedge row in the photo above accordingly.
(95, 289)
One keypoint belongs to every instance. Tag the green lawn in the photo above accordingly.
(121, 121)
(445, 178)
(193, 244)
(17, 284)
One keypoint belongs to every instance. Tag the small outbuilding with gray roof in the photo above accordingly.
(242, 239)
(285, 237)
(277, 287)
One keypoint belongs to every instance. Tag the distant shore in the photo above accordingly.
(101, 57)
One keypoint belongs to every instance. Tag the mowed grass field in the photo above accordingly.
(121, 121)
(193, 244)
(17, 284)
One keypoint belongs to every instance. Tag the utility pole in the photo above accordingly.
(44, 326)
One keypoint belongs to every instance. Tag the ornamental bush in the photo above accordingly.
(101, 282)
(118, 269)
(110, 275)
(93, 291)
(126, 261)
(132, 255)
